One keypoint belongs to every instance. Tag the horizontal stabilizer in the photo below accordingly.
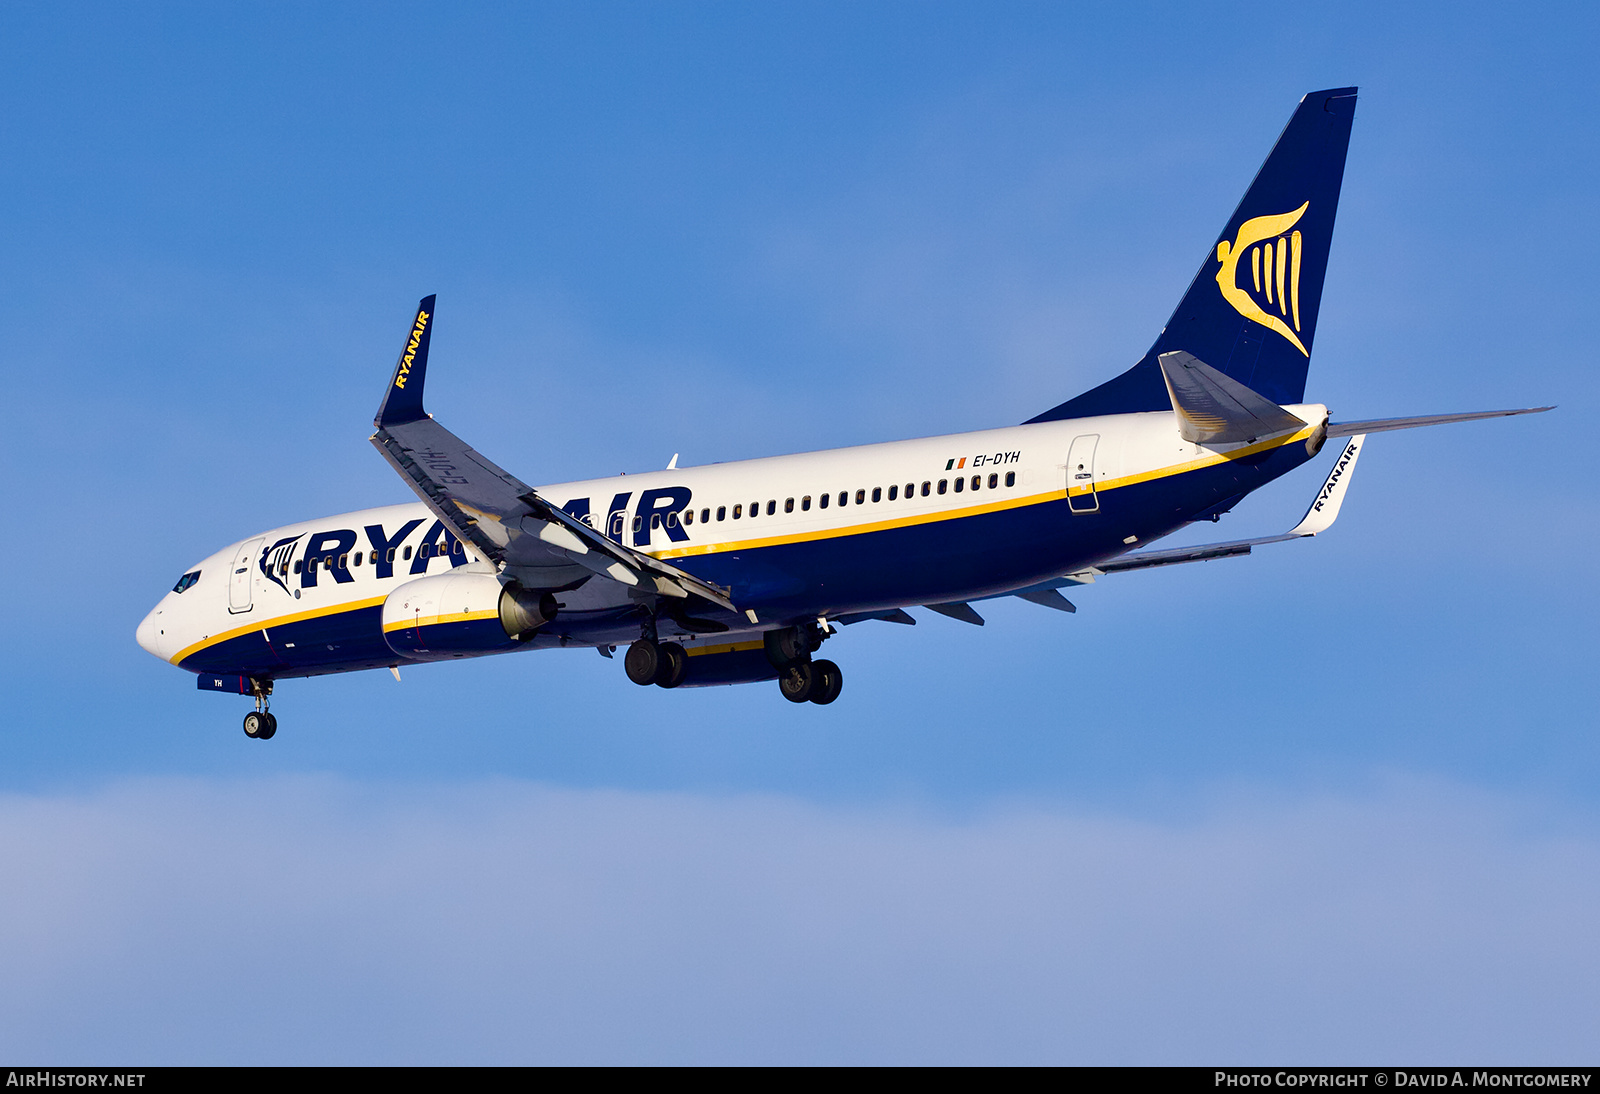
(1214, 409)
(1384, 425)
(958, 609)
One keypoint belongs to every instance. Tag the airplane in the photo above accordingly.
(739, 572)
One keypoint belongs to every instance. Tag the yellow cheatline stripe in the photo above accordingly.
(279, 621)
(1170, 470)
(435, 620)
(1204, 461)
(729, 648)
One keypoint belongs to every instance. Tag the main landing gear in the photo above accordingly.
(260, 724)
(801, 679)
(817, 682)
(788, 650)
(663, 664)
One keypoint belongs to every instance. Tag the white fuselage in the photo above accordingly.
(734, 512)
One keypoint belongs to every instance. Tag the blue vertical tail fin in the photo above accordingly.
(1251, 311)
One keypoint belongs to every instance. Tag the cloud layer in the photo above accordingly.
(311, 920)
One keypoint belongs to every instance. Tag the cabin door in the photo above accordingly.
(240, 579)
(1080, 475)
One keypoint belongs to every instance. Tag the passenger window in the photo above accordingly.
(844, 497)
(822, 502)
(755, 510)
(343, 561)
(688, 516)
(772, 506)
(655, 521)
(297, 566)
(861, 496)
(1011, 478)
(977, 481)
(388, 556)
(894, 492)
(961, 484)
(805, 504)
(358, 558)
(737, 510)
(311, 565)
(994, 481)
(705, 515)
(788, 505)
(722, 512)
(911, 490)
(672, 518)
(407, 553)
(925, 489)
(638, 523)
(943, 483)
(877, 494)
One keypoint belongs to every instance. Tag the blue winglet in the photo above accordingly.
(402, 402)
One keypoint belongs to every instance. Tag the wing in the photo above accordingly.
(502, 517)
(1384, 425)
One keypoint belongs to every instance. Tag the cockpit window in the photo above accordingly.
(186, 581)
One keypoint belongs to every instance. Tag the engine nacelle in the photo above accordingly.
(460, 615)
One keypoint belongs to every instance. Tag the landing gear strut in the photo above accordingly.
(260, 724)
(801, 679)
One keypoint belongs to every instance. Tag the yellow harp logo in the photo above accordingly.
(1271, 261)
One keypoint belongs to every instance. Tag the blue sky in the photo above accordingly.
(1334, 802)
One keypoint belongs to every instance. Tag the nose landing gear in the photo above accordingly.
(260, 724)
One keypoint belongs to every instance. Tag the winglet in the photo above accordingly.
(1325, 509)
(402, 401)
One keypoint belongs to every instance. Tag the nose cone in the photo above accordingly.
(149, 634)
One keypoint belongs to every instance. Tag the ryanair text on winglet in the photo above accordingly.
(411, 349)
(1333, 479)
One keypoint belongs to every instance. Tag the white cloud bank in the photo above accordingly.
(317, 921)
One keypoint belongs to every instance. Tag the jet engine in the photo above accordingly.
(461, 615)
